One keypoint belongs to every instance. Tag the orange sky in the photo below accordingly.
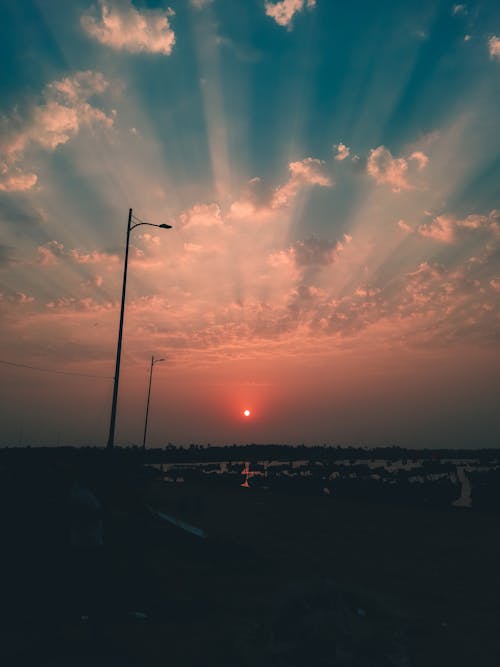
(332, 187)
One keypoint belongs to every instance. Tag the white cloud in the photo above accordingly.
(65, 112)
(284, 10)
(387, 170)
(494, 47)
(343, 151)
(121, 26)
(458, 9)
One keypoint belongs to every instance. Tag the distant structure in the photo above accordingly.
(246, 471)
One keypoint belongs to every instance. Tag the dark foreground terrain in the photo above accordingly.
(279, 581)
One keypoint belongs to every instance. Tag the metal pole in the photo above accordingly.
(147, 404)
(111, 437)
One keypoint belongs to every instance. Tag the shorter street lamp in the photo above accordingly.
(132, 223)
(153, 362)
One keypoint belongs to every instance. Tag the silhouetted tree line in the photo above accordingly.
(341, 472)
(251, 452)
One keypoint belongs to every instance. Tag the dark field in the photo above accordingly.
(432, 575)
(280, 581)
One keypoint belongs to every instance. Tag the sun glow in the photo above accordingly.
(247, 413)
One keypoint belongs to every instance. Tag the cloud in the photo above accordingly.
(442, 229)
(236, 277)
(85, 304)
(284, 10)
(51, 252)
(494, 47)
(315, 252)
(405, 227)
(16, 298)
(202, 215)
(450, 304)
(309, 171)
(343, 151)
(119, 25)
(458, 9)
(199, 4)
(15, 180)
(302, 173)
(150, 239)
(64, 113)
(93, 257)
(95, 281)
(447, 228)
(429, 303)
(387, 170)
(420, 158)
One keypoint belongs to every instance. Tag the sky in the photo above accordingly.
(330, 171)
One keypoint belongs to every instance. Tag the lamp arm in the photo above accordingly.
(138, 224)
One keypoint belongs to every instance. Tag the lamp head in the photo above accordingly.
(165, 226)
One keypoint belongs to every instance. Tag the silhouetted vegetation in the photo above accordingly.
(385, 475)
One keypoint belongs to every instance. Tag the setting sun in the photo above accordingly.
(247, 413)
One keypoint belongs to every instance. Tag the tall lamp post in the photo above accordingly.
(132, 223)
(153, 362)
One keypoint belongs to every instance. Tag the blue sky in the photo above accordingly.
(331, 174)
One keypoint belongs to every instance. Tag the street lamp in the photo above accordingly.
(153, 362)
(132, 223)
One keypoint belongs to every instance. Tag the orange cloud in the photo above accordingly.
(308, 171)
(447, 228)
(387, 170)
(283, 11)
(343, 152)
(65, 112)
(119, 25)
(494, 47)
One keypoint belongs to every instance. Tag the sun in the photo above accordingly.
(247, 413)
